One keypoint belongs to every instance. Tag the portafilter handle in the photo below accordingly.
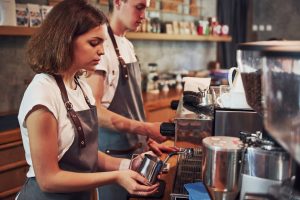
(167, 129)
(174, 104)
(188, 152)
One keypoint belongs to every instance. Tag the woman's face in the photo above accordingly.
(88, 48)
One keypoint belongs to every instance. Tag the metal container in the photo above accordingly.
(151, 166)
(221, 166)
(265, 164)
(269, 164)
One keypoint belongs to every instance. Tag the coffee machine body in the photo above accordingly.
(263, 167)
(229, 122)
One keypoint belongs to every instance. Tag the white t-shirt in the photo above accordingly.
(110, 64)
(43, 90)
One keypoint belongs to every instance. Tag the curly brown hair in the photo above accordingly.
(50, 49)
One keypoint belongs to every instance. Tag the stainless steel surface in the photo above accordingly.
(221, 166)
(228, 122)
(151, 166)
(190, 127)
(274, 165)
(265, 164)
(189, 170)
(253, 184)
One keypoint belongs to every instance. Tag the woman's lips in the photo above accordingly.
(96, 61)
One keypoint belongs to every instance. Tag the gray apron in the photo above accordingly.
(127, 102)
(82, 156)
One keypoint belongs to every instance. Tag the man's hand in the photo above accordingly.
(153, 132)
(159, 149)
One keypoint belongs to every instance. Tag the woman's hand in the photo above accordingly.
(159, 149)
(136, 184)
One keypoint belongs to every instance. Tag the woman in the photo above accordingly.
(116, 86)
(57, 115)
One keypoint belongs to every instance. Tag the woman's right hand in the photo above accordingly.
(136, 184)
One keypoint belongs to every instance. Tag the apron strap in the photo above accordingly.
(122, 63)
(84, 94)
(72, 114)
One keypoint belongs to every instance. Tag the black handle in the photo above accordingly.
(174, 104)
(130, 150)
(167, 129)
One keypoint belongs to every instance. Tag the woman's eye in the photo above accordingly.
(94, 43)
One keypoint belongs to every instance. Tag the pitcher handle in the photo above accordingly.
(231, 80)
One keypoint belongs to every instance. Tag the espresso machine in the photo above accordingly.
(266, 163)
(198, 117)
(192, 123)
(281, 94)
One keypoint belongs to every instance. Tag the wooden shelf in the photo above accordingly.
(176, 37)
(26, 31)
(16, 31)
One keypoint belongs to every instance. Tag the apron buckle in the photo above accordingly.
(68, 105)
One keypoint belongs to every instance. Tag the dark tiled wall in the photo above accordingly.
(14, 72)
(283, 15)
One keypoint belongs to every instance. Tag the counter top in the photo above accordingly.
(163, 98)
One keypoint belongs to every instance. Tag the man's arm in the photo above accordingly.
(116, 122)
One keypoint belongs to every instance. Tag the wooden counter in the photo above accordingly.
(152, 98)
(157, 106)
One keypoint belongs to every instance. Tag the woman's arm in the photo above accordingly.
(42, 129)
(108, 163)
(115, 121)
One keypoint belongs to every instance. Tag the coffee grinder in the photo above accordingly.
(281, 94)
(265, 163)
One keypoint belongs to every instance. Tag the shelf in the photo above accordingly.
(16, 31)
(26, 31)
(177, 37)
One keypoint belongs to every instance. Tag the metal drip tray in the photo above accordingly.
(189, 170)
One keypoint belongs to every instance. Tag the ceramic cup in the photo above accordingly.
(230, 98)
(233, 100)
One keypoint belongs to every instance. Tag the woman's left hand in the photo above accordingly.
(159, 149)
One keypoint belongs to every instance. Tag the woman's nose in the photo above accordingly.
(100, 51)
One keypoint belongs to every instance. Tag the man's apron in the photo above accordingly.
(127, 102)
(81, 157)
